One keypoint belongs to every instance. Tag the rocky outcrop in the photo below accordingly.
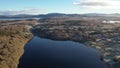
(12, 40)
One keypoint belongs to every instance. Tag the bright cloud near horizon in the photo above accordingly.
(14, 7)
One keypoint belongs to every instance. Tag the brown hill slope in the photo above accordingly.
(12, 40)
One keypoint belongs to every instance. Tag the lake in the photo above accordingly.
(46, 53)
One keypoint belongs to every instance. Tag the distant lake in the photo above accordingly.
(45, 53)
(3, 19)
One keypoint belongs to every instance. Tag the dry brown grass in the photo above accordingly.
(12, 41)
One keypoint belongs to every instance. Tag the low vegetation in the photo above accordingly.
(12, 40)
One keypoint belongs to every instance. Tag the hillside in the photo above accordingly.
(12, 41)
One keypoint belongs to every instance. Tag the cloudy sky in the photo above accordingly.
(13, 7)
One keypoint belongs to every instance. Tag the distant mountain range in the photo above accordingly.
(59, 15)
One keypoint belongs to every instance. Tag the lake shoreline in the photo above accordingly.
(13, 38)
(39, 47)
(93, 33)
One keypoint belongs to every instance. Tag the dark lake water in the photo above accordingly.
(45, 53)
